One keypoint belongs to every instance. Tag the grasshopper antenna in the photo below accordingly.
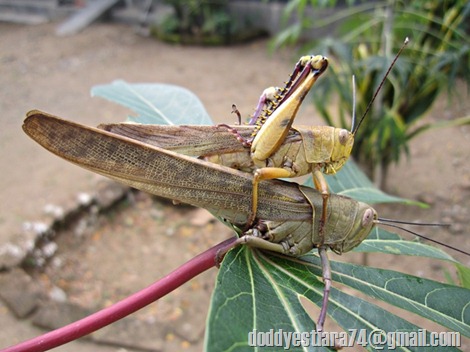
(380, 85)
(354, 104)
(391, 223)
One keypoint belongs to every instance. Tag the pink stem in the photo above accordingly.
(119, 310)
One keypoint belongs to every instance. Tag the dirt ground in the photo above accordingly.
(133, 246)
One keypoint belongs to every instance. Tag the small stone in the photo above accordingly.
(20, 292)
(49, 249)
(11, 255)
(57, 294)
(53, 314)
(37, 227)
(14, 252)
(84, 199)
(55, 211)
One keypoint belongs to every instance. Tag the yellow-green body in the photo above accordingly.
(324, 147)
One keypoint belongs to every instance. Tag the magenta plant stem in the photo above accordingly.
(119, 310)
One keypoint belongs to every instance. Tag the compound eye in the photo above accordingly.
(343, 136)
(368, 217)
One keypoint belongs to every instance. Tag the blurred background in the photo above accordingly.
(75, 241)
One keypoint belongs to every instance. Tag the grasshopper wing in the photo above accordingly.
(221, 190)
(192, 140)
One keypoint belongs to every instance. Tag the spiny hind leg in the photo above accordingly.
(269, 96)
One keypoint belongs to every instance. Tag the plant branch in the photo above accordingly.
(119, 310)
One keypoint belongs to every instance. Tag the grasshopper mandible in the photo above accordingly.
(289, 213)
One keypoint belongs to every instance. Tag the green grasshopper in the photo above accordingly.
(289, 213)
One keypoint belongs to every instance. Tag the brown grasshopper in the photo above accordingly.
(289, 213)
(278, 150)
(272, 152)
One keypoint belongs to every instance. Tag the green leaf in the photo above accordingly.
(464, 275)
(442, 303)
(350, 181)
(156, 103)
(430, 65)
(271, 286)
(382, 241)
(259, 291)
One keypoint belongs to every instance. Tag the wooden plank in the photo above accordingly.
(84, 17)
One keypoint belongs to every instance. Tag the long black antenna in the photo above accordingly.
(380, 85)
(389, 222)
(436, 224)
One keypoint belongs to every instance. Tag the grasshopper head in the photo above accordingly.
(365, 219)
(342, 145)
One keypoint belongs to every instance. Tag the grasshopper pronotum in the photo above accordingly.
(289, 213)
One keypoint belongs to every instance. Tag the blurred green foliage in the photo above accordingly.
(197, 21)
(367, 36)
(205, 22)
